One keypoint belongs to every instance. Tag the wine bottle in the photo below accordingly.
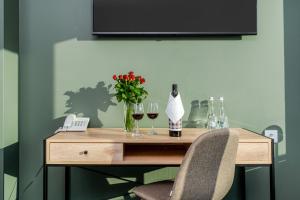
(175, 128)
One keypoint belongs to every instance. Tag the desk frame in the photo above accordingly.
(68, 167)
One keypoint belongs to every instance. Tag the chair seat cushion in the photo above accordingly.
(155, 191)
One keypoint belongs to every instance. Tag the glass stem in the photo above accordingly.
(137, 126)
(152, 125)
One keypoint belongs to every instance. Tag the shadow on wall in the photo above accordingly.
(87, 102)
(198, 114)
(11, 156)
(278, 129)
(280, 156)
(11, 168)
(255, 173)
(108, 183)
(11, 22)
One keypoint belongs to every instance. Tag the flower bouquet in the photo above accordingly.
(129, 89)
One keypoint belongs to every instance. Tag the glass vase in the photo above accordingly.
(128, 119)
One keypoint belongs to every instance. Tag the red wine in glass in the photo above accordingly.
(152, 115)
(138, 116)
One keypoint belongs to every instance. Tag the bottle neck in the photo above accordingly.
(174, 93)
(174, 90)
(222, 108)
(211, 107)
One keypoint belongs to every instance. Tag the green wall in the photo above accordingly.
(9, 35)
(64, 69)
(291, 177)
(10, 73)
(1, 99)
(1, 69)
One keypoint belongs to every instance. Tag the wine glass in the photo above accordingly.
(152, 113)
(138, 114)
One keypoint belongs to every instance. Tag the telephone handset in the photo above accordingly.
(73, 123)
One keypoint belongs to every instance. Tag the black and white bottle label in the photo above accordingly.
(175, 126)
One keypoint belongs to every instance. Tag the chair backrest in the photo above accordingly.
(207, 171)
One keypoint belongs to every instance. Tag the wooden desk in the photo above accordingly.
(111, 146)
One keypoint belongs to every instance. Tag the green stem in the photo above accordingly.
(129, 120)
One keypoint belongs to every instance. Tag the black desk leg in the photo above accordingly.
(45, 174)
(243, 182)
(272, 175)
(272, 182)
(67, 182)
(45, 182)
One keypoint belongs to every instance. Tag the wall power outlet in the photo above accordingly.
(272, 134)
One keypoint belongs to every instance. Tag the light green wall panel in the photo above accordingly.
(1, 98)
(1, 175)
(10, 98)
(10, 187)
(64, 69)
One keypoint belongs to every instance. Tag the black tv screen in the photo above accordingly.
(175, 17)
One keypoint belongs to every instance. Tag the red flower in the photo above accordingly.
(125, 77)
(131, 77)
(142, 80)
(129, 88)
(131, 73)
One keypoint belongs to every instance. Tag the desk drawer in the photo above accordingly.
(254, 153)
(85, 153)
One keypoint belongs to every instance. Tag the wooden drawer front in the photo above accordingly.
(254, 153)
(85, 153)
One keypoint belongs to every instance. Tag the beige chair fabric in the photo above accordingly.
(155, 191)
(206, 173)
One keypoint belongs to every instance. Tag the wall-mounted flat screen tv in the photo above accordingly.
(174, 17)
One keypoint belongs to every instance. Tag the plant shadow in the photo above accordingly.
(87, 102)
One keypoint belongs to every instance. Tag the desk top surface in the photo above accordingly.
(117, 135)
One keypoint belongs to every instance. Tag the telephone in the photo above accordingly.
(73, 123)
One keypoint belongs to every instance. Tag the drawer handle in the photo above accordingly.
(85, 152)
